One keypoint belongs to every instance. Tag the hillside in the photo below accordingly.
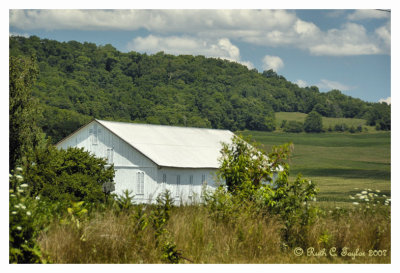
(81, 81)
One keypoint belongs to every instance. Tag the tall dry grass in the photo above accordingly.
(115, 238)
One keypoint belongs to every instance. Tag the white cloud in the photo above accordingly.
(260, 27)
(388, 100)
(177, 45)
(272, 62)
(301, 83)
(363, 14)
(329, 85)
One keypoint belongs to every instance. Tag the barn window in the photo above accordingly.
(178, 185)
(110, 155)
(164, 181)
(190, 185)
(140, 183)
(93, 134)
(203, 179)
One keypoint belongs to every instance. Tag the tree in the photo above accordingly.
(313, 123)
(23, 110)
(68, 175)
(293, 127)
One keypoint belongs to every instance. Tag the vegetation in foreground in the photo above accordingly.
(245, 222)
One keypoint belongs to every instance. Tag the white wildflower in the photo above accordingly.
(337, 207)
(366, 200)
(19, 228)
(389, 200)
(356, 188)
(352, 197)
(19, 169)
(356, 203)
(13, 212)
(20, 191)
(22, 206)
(362, 197)
(28, 213)
(314, 199)
(364, 192)
(19, 177)
(12, 195)
(378, 191)
(16, 206)
(384, 195)
(369, 190)
(370, 194)
(24, 185)
(358, 194)
(367, 207)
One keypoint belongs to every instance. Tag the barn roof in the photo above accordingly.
(170, 146)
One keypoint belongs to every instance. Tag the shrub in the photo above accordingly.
(71, 175)
(22, 245)
(313, 123)
(293, 127)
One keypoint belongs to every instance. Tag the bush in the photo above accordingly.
(313, 123)
(293, 127)
(69, 175)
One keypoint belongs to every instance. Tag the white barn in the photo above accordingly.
(149, 159)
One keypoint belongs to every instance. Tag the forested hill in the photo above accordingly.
(78, 82)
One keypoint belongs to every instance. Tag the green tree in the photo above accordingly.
(23, 110)
(293, 127)
(313, 123)
(68, 175)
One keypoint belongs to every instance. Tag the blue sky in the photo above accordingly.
(349, 50)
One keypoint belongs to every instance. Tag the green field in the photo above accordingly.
(340, 163)
(296, 116)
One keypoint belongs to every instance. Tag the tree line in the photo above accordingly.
(80, 81)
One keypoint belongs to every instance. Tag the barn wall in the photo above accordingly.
(128, 162)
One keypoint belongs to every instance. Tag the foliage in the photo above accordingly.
(313, 123)
(80, 81)
(22, 233)
(251, 176)
(379, 116)
(293, 127)
(23, 109)
(70, 175)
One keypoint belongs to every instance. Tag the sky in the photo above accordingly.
(348, 50)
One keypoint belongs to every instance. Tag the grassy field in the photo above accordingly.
(340, 163)
(296, 116)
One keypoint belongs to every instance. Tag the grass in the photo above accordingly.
(327, 122)
(337, 162)
(114, 238)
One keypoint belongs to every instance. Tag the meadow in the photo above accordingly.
(327, 122)
(340, 163)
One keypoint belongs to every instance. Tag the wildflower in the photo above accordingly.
(384, 195)
(21, 206)
(366, 200)
(364, 192)
(352, 197)
(24, 185)
(358, 194)
(20, 191)
(369, 190)
(378, 191)
(16, 206)
(12, 195)
(389, 199)
(19, 177)
(371, 194)
(337, 207)
(356, 203)
(10, 175)
(19, 228)
(356, 188)
(28, 213)
(37, 197)
(362, 197)
(367, 207)
(19, 169)
(330, 211)
(13, 212)
(314, 199)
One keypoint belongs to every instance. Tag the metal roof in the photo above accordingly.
(170, 146)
